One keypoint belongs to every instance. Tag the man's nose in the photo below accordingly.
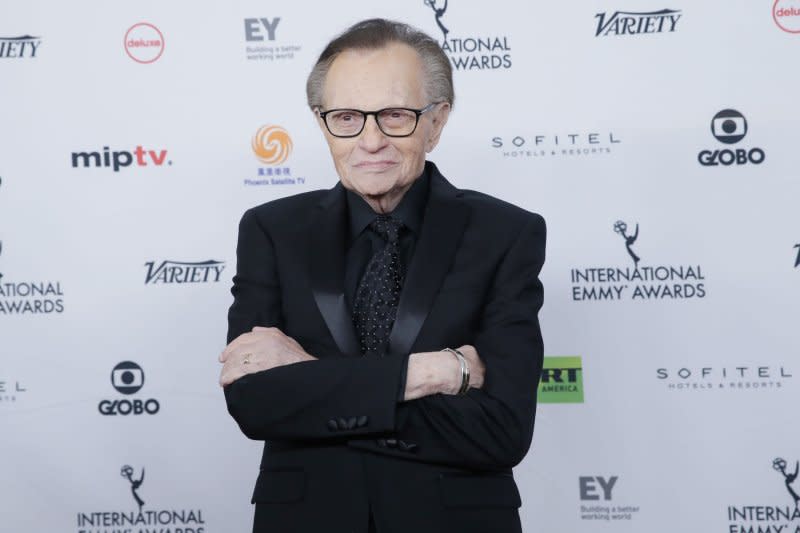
(372, 138)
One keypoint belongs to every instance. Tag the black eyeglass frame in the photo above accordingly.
(366, 114)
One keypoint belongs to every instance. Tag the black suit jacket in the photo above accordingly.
(337, 441)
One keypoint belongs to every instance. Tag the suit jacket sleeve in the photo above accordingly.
(489, 428)
(357, 398)
(333, 397)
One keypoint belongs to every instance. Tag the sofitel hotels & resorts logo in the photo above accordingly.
(745, 376)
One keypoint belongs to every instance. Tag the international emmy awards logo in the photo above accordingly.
(438, 12)
(127, 473)
(780, 465)
(621, 228)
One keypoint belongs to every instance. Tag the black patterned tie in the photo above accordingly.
(378, 292)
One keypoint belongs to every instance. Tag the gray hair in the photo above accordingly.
(373, 34)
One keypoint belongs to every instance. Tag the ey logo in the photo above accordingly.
(593, 487)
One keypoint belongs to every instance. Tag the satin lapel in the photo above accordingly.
(326, 253)
(445, 218)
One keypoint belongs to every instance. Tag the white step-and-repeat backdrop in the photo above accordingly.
(660, 140)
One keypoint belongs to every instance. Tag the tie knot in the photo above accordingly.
(387, 227)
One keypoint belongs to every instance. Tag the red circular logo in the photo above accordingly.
(144, 43)
(786, 14)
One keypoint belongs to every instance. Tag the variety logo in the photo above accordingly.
(631, 23)
(786, 14)
(659, 282)
(594, 488)
(144, 43)
(272, 146)
(743, 377)
(169, 272)
(779, 518)
(10, 389)
(561, 381)
(24, 46)
(729, 127)
(144, 520)
(543, 146)
(259, 30)
(473, 52)
(116, 160)
(30, 297)
(128, 378)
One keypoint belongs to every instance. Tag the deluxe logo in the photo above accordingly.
(272, 146)
(786, 14)
(745, 377)
(554, 145)
(24, 46)
(178, 272)
(30, 297)
(161, 520)
(729, 127)
(653, 282)
(128, 378)
(472, 52)
(633, 23)
(144, 43)
(258, 30)
(777, 518)
(561, 381)
(593, 488)
(120, 159)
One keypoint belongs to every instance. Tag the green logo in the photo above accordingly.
(562, 380)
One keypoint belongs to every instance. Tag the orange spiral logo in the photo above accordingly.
(272, 144)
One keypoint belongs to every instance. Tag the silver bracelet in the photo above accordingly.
(464, 370)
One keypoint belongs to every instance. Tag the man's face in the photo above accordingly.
(377, 167)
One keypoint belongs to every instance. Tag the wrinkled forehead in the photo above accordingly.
(372, 79)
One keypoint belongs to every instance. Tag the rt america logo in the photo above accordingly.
(127, 378)
(729, 127)
(117, 159)
(177, 272)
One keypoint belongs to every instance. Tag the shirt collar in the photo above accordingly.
(410, 209)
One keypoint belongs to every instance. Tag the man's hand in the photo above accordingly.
(261, 349)
(440, 372)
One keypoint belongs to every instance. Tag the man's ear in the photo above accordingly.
(439, 119)
(320, 122)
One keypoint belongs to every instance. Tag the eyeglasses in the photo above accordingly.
(392, 121)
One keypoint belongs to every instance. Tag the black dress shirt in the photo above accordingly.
(364, 242)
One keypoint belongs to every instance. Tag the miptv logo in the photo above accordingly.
(144, 43)
(786, 14)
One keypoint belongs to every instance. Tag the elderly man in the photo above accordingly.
(384, 340)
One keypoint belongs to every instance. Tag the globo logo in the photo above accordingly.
(729, 126)
(127, 378)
